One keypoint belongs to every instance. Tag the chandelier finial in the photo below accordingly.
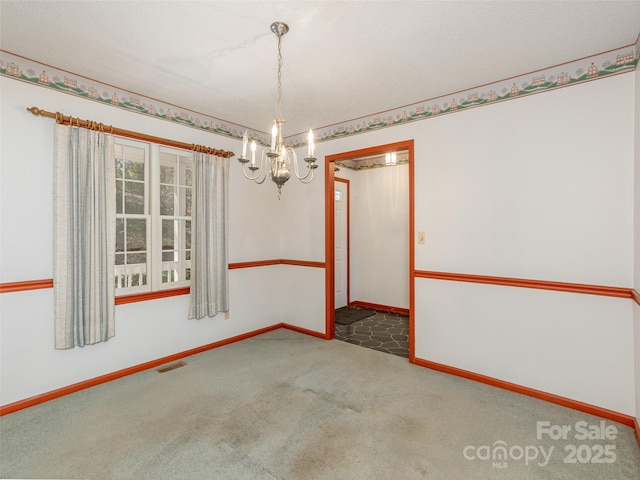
(279, 28)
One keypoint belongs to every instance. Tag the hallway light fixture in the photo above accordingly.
(279, 156)
(390, 158)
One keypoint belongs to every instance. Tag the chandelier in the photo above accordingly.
(275, 160)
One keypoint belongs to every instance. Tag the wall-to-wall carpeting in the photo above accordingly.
(283, 405)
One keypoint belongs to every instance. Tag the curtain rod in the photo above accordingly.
(91, 125)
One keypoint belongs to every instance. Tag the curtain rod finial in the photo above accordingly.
(35, 110)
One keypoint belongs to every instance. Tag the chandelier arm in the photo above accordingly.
(260, 171)
(249, 177)
(304, 179)
(260, 182)
(296, 169)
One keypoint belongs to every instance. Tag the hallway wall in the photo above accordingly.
(379, 235)
(636, 222)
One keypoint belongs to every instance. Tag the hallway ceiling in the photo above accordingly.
(342, 60)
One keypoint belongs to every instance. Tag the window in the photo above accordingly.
(153, 217)
(175, 215)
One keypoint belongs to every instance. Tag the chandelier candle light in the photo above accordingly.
(276, 159)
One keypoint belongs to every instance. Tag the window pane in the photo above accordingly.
(169, 276)
(134, 170)
(119, 235)
(187, 255)
(136, 258)
(185, 205)
(167, 199)
(136, 235)
(188, 274)
(134, 197)
(119, 258)
(119, 200)
(134, 162)
(167, 174)
(170, 256)
(187, 243)
(168, 235)
(119, 168)
(188, 177)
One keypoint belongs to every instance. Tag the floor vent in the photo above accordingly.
(171, 366)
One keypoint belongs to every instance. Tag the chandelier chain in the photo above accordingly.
(280, 62)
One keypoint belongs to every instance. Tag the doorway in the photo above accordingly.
(335, 242)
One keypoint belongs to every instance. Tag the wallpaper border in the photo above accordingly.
(602, 65)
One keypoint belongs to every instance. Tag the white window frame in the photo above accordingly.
(154, 265)
(183, 264)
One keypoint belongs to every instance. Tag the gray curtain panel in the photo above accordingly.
(209, 233)
(84, 236)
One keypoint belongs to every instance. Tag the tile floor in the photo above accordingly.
(386, 332)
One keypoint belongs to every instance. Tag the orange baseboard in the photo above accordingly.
(531, 392)
(380, 308)
(306, 331)
(60, 392)
(636, 427)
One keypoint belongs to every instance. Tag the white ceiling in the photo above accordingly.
(342, 60)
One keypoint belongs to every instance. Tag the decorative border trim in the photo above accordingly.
(303, 263)
(256, 263)
(382, 308)
(141, 297)
(525, 283)
(26, 70)
(24, 286)
(605, 64)
(613, 62)
(531, 392)
(138, 297)
(277, 261)
(377, 161)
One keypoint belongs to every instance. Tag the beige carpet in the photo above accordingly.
(287, 406)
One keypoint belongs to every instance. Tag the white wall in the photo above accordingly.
(379, 228)
(302, 238)
(540, 188)
(144, 331)
(303, 300)
(636, 260)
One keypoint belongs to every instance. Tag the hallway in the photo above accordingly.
(385, 332)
